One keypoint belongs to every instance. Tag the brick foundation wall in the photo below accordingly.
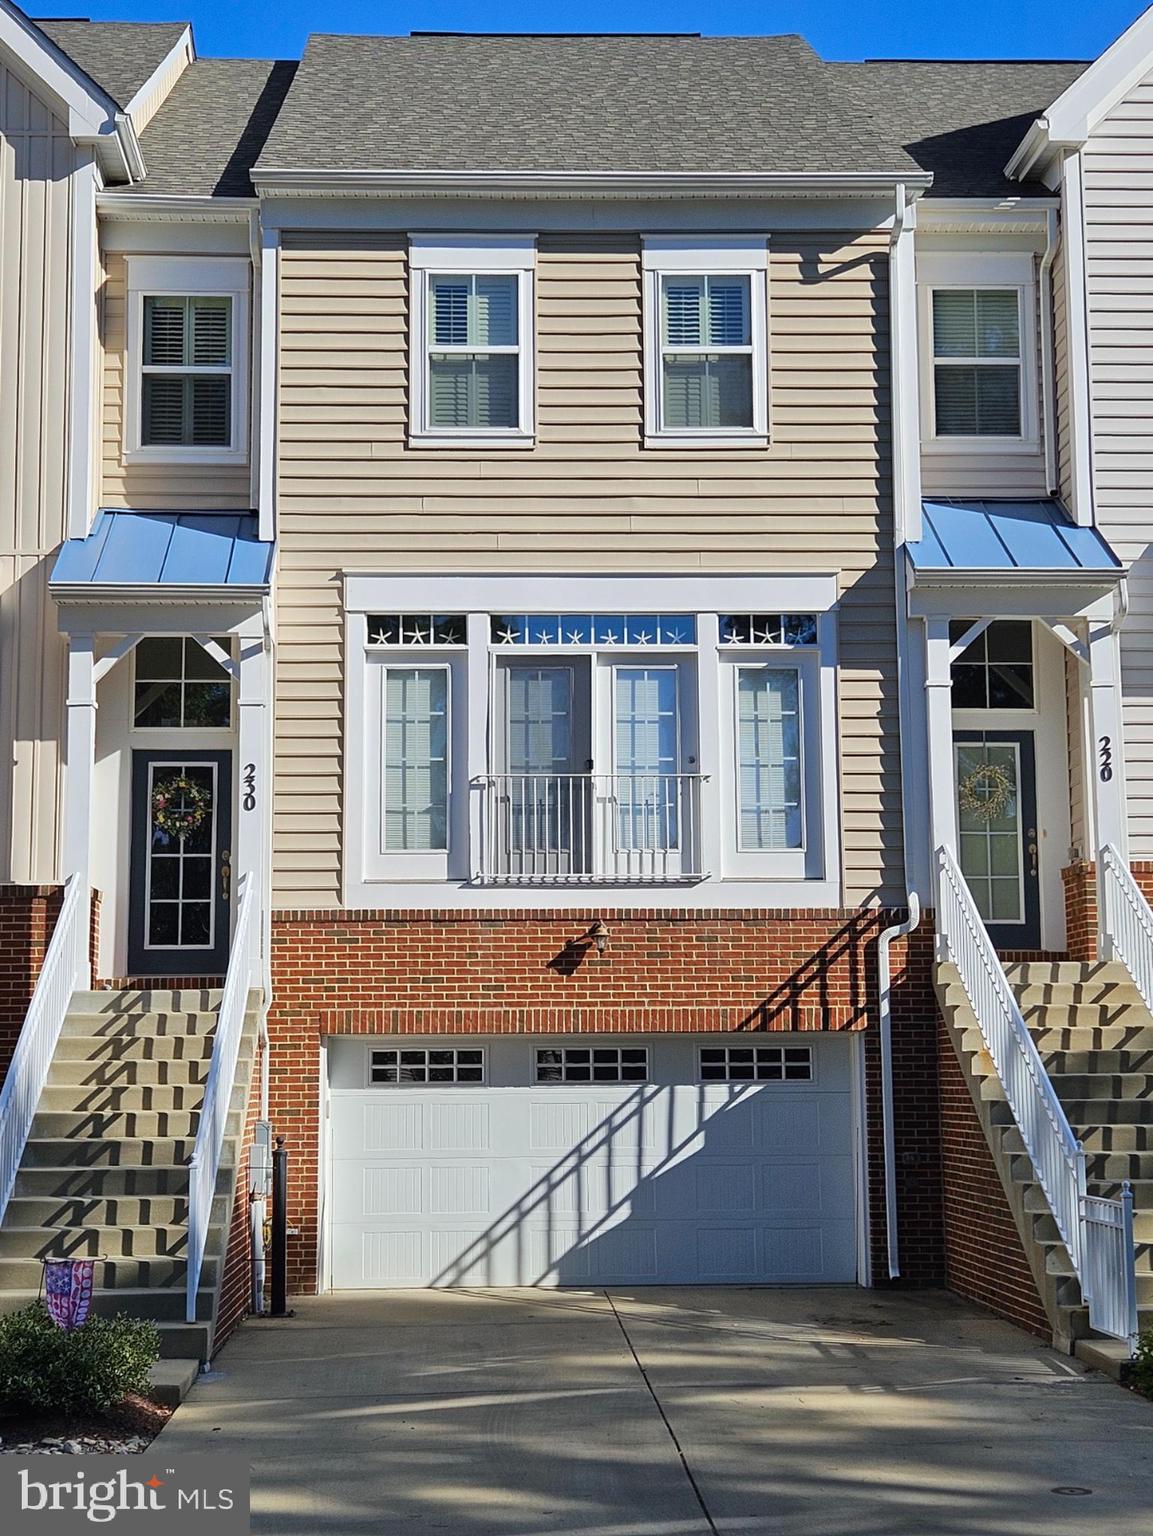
(1081, 904)
(984, 1259)
(236, 1284)
(452, 972)
(27, 918)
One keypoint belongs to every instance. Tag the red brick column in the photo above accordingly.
(1081, 911)
(27, 917)
(451, 972)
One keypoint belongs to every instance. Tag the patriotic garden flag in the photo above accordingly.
(68, 1290)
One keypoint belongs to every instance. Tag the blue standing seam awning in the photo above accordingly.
(215, 551)
(1003, 536)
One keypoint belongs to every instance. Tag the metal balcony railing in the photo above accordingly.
(591, 829)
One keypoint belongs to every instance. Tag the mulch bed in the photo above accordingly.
(130, 1426)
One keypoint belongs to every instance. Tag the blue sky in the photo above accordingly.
(865, 28)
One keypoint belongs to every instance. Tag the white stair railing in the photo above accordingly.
(1126, 920)
(65, 968)
(204, 1164)
(1098, 1234)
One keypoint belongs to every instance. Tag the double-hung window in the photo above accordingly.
(977, 362)
(978, 343)
(186, 385)
(471, 358)
(706, 329)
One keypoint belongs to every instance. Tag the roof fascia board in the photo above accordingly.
(151, 592)
(977, 576)
(288, 182)
(90, 111)
(143, 207)
(1092, 96)
(183, 45)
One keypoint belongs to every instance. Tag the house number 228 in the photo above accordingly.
(249, 799)
(1105, 759)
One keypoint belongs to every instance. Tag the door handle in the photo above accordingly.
(1031, 844)
(225, 874)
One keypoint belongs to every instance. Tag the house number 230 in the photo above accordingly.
(1105, 759)
(249, 800)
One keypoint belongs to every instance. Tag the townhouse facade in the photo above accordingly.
(560, 661)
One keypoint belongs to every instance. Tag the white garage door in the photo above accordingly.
(642, 1159)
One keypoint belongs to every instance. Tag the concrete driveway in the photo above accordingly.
(655, 1412)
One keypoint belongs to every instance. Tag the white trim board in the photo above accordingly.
(477, 591)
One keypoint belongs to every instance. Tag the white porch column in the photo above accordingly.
(939, 724)
(252, 744)
(1106, 766)
(80, 768)
(80, 757)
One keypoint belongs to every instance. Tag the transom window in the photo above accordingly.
(996, 671)
(592, 1064)
(976, 362)
(186, 386)
(768, 628)
(706, 352)
(593, 629)
(180, 686)
(432, 1064)
(756, 1063)
(417, 629)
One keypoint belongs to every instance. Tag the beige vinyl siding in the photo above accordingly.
(153, 486)
(587, 497)
(1118, 195)
(37, 160)
(985, 471)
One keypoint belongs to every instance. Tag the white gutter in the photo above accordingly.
(289, 181)
(1048, 392)
(885, 1009)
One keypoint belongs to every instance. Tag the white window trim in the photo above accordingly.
(482, 256)
(744, 255)
(379, 862)
(186, 277)
(366, 877)
(981, 270)
(818, 763)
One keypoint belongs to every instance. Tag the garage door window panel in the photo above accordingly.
(425, 1065)
(592, 1064)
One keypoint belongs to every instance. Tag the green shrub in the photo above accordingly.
(87, 1370)
(1140, 1373)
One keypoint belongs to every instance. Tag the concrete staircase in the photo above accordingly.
(105, 1171)
(1095, 1038)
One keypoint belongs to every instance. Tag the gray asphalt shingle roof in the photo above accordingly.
(520, 103)
(650, 103)
(205, 137)
(118, 55)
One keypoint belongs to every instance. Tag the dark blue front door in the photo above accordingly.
(180, 886)
(998, 839)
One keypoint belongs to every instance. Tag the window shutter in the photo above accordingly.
(164, 331)
(495, 391)
(684, 301)
(162, 412)
(494, 312)
(210, 332)
(728, 312)
(449, 311)
(448, 391)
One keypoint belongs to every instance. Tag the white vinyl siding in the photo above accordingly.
(186, 389)
(769, 766)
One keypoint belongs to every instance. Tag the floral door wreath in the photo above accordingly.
(986, 791)
(180, 805)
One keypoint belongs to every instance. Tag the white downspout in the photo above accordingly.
(1048, 370)
(906, 438)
